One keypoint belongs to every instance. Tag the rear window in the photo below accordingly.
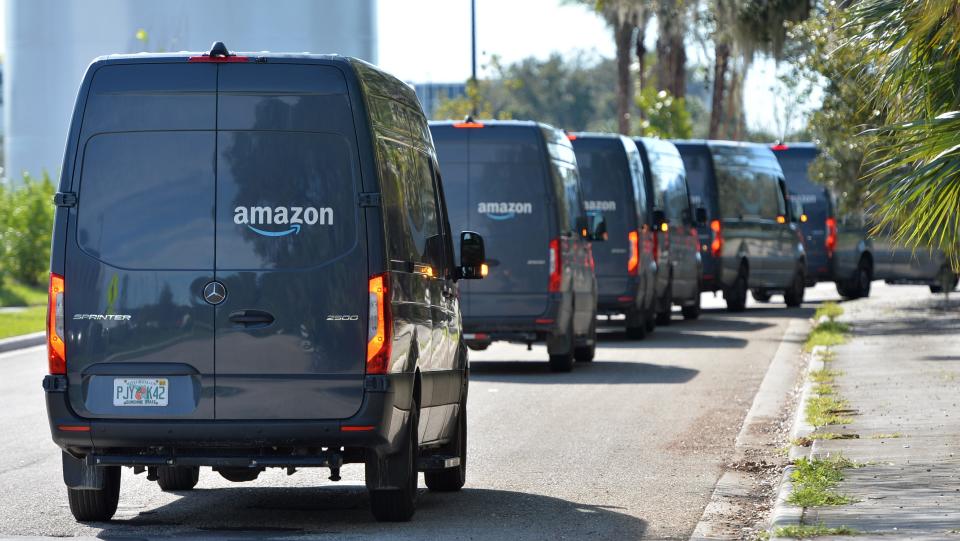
(796, 164)
(606, 181)
(284, 199)
(670, 187)
(745, 193)
(146, 200)
(696, 162)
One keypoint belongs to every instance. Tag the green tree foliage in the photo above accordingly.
(663, 116)
(909, 75)
(25, 228)
(816, 53)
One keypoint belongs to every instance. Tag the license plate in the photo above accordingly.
(140, 391)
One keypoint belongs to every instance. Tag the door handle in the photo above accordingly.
(251, 318)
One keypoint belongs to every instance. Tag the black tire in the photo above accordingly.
(947, 279)
(760, 295)
(794, 295)
(736, 295)
(637, 324)
(398, 505)
(665, 314)
(585, 353)
(864, 279)
(691, 311)
(452, 479)
(563, 362)
(97, 505)
(177, 477)
(478, 347)
(650, 323)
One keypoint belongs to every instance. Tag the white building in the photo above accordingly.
(50, 43)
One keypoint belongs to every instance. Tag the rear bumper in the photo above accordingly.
(615, 304)
(515, 328)
(385, 408)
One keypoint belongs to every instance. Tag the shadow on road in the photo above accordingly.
(599, 371)
(342, 512)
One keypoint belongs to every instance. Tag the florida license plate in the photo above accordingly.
(140, 391)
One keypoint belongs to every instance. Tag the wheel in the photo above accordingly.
(478, 347)
(399, 504)
(585, 353)
(794, 295)
(864, 279)
(99, 504)
(947, 281)
(563, 361)
(650, 322)
(452, 479)
(736, 295)
(691, 311)
(760, 295)
(177, 477)
(637, 324)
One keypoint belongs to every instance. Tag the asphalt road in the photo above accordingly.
(628, 446)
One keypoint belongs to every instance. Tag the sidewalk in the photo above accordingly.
(900, 373)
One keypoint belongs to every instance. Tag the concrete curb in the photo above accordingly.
(783, 513)
(774, 391)
(23, 341)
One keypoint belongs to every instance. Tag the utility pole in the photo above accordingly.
(473, 57)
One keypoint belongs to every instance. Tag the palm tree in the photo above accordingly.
(623, 17)
(912, 58)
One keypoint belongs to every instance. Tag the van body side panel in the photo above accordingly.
(288, 245)
(140, 243)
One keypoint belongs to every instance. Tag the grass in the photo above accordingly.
(892, 436)
(823, 390)
(824, 376)
(829, 310)
(14, 293)
(807, 441)
(827, 333)
(22, 322)
(826, 410)
(815, 479)
(809, 531)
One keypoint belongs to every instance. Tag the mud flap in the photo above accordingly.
(77, 475)
(385, 470)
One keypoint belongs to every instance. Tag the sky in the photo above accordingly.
(429, 41)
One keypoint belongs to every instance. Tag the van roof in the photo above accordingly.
(732, 152)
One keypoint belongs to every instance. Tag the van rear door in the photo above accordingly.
(507, 203)
(291, 333)
(140, 246)
(608, 190)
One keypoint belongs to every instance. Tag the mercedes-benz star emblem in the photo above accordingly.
(214, 293)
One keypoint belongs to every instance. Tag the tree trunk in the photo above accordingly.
(736, 122)
(671, 53)
(623, 39)
(641, 49)
(720, 66)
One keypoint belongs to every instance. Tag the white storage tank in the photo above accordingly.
(49, 44)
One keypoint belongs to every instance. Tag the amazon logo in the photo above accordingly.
(281, 221)
(504, 210)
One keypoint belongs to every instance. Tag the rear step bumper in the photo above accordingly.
(385, 408)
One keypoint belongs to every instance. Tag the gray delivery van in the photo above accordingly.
(674, 223)
(611, 174)
(517, 184)
(753, 241)
(253, 267)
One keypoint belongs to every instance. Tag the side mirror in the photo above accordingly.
(472, 256)
(701, 216)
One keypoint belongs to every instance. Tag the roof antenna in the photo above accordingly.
(219, 49)
(468, 119)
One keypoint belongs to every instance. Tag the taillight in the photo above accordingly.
(716, 246)
(556, 266)
(378, 326)
(831, 240)
(634, 262)
(56, 348)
